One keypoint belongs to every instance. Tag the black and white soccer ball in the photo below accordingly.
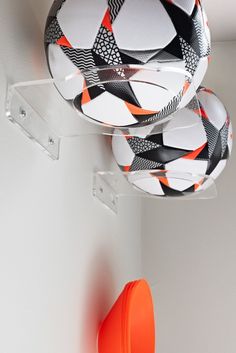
(196, 142)
(154, 51)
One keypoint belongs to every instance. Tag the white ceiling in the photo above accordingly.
(221, 16)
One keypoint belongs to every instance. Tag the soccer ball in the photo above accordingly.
(195, 142)
(134, 62)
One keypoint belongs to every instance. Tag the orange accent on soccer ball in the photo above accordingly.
(126, 168)
(139, 111)
(208, 90)
(107, 21)
(128, 137)
(201, 112)
(63, 41)
(193, 155)
(153, 174)
(227, 121)
(197, 185)
(164, 181)
(85, 96)
(186, 87)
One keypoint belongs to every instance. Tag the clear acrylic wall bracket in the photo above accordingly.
(109, 186)
(45, 117)
(20, 112)
(43, 114)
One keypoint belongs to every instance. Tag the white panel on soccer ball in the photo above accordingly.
(109, 109)
(200, 72)
(80, 21)
(188, 166)
(185, 5)
(208, 182)
(185, 131)
(141, 132)
(123, 153)
(61, 66)
(170, 83)
(143, 25)
(178, 183)
(196, 82)
(218, 169)
(149, 184)
(214, 108)
(151, 97)
(171, 76)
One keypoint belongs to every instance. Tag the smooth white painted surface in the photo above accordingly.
(221, 16)
(63, 256)
(189, 249)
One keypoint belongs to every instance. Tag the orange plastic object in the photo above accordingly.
(130, 325)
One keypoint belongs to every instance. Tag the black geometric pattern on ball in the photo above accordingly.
(189, 45)
(83, 59)
(178, 17)
(156, 138)
(215, 157)
(163, 154)
(141, 56)
(114, 7)
(144, 164)
(53, 32)
(152, 149)
(212, 135)
(172, 50)
(56, 6)
(203, 43)
(190, 57)
(204, 155)
(224, 133)
(175, 193)
(170, 108)
(165, 112)
(111, 78)
(194, 105)
(105, 46)
(139, 145)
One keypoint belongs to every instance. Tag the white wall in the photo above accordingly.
(189, 249)
(63, 256)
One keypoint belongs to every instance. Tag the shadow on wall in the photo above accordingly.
(100, 294)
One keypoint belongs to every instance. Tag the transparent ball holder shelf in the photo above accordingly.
(45, 117)
(109, 186)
